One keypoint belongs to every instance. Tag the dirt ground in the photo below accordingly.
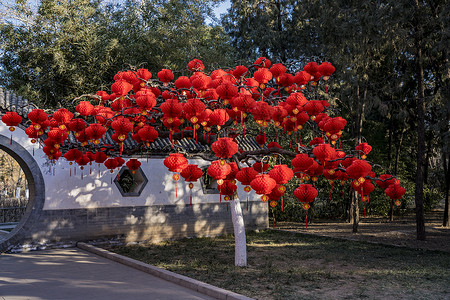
(400, 232)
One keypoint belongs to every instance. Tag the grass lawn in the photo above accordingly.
(284, 265)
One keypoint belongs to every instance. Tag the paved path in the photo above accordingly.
(76, 274)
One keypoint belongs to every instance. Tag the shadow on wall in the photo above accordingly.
(143, 223)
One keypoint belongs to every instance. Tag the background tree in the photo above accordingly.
(64, 47)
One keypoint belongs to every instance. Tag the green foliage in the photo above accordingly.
(75, 47)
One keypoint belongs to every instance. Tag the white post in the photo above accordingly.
(240, 241)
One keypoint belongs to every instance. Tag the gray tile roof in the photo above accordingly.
(10, 102)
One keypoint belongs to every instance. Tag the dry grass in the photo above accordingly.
(284, 265)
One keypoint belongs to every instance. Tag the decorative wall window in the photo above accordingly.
(129, 184)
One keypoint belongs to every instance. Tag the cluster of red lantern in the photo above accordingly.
(139, 107)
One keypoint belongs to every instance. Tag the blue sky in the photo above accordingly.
(222, 8)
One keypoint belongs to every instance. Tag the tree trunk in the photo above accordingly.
(398, 150)
(418, 193)
(446, 161)
(240, 241)
(355, 211)
(391, 128)
(358, 138)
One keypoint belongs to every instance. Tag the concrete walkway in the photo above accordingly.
(76, 274)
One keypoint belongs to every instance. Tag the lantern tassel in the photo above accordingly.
(282, 204)
(306, 220)
(273, 220)
(227, 206)
(10, 140)
(176, 190)
(190, 202)
(81, 175)
(247, 203)
(70, 173)
(364, 211)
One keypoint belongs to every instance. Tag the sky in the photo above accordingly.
(221, 9)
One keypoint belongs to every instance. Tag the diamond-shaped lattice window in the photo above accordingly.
(129, 184)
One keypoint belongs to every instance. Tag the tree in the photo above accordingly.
(62, 48)
(373, 45)
(213, 108)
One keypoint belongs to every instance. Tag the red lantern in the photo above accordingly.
(219, 170)
(165, 76)
(305, 193)
(145, 99)
(62, 116)
(111, 164)
(277, 70)
(302, 161)
(227, 188)
(121, 87)
(263, 184)
(358, 170)
(260, 167)
(263, 75)
(171, 108)
(95, 132)
(176, 162)
(77, 125)
(281, 174)
(100, 157)
(313, 108)
(196, 65)
(245, 177)
(227, 90)
(72, 155)
(302, 78)
(326, 69)
(224, 147)
(148, 134)
(133, 164)
(219, 117)
(191, 174)
(11, 119)
(395, 191)
(363, 148)
(262, 62)
(183, 82)
(386, 180)
(85, 108)
(122, 126)
(37, 116)
(324, 152)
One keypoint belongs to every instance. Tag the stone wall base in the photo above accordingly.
(140, 223)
